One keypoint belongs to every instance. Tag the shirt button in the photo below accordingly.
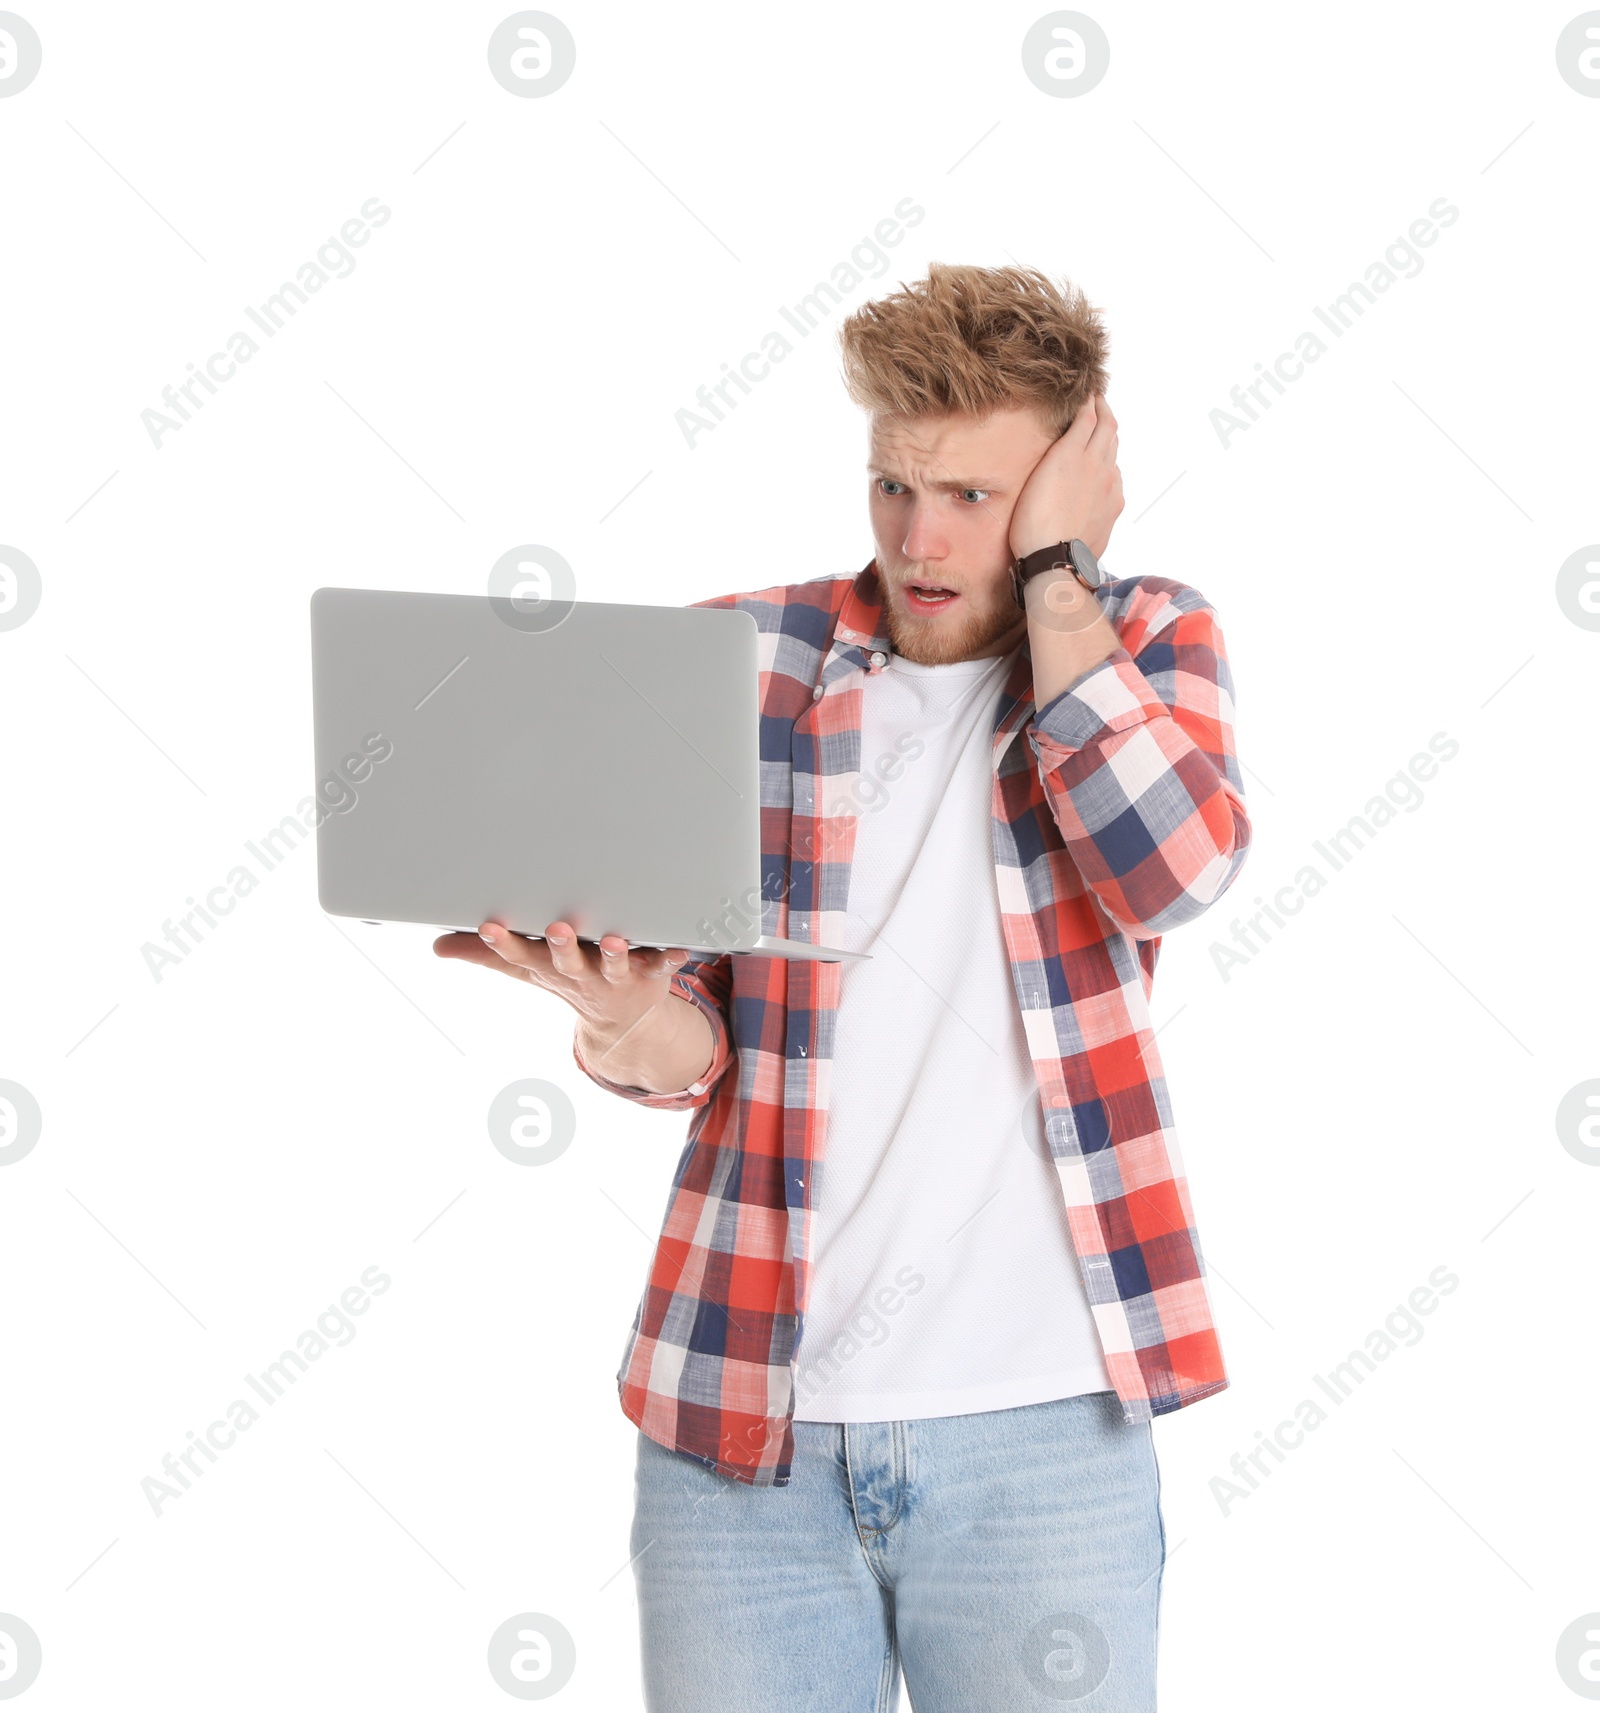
(848, 635)
(878, 658)
(816, 695)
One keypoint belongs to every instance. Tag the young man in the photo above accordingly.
(929, 1267)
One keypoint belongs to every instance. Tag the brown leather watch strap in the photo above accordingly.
(1040, 560)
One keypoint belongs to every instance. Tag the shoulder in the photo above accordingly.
(795, 625)
(809, 610)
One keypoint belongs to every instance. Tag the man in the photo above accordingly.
(929, 1267)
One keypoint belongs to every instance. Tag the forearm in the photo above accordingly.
(1067, 633)
(670, 1047)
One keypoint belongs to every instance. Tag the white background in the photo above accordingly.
(1370, 1097)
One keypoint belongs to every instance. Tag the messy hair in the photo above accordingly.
(974, 340)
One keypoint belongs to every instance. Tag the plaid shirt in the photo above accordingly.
(1122, 815)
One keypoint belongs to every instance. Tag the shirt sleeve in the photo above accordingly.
(707, 983)
(1137, 760)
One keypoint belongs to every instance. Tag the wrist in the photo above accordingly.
(662, 1050)
(1072, 559)
(1058, 607)
(1035, 540)
(1052, 591)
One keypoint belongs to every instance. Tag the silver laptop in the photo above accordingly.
(541, 761)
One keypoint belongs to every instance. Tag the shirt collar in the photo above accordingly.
(862, 623)
(862, 626)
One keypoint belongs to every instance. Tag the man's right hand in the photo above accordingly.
(632, 1028)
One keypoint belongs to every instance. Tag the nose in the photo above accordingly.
(925, 542)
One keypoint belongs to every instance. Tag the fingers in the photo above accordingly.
(470, 948)
(614, 958)
(1083, 424)
(1104, 436)
(567, 957)
(559, 959)
(620, 963)
(515, 949)
(660, 966)
(467, 947)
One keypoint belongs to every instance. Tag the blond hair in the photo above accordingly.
(973, 340)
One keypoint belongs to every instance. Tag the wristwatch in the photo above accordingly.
(1073, 556)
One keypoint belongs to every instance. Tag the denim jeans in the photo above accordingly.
(1005, 1560)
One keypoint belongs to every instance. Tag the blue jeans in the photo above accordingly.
(1006, 1560)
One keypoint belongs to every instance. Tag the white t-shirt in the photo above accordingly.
(944, 1280)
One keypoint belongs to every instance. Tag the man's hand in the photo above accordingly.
(1075, 490)
(631, 1028)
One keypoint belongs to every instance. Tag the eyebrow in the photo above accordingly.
(954, 483)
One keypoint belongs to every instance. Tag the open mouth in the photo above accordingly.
(929, 597)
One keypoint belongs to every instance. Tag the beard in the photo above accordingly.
(983, 620)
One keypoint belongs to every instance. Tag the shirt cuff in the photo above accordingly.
(699, 1091)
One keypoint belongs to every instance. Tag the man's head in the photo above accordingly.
(968, 377)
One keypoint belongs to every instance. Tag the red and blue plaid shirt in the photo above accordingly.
(1120, 816)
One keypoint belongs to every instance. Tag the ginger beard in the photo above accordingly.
(981, 617)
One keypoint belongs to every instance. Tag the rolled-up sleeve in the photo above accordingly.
(706, 983)
(1137, 760)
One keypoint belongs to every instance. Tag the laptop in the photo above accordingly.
(541, 761)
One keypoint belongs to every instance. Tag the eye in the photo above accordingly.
(974, 496)
(889, 488)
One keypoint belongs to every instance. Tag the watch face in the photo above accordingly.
(1087, 566)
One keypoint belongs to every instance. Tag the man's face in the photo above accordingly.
(943, 489)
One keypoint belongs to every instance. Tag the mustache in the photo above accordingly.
(929, 581)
